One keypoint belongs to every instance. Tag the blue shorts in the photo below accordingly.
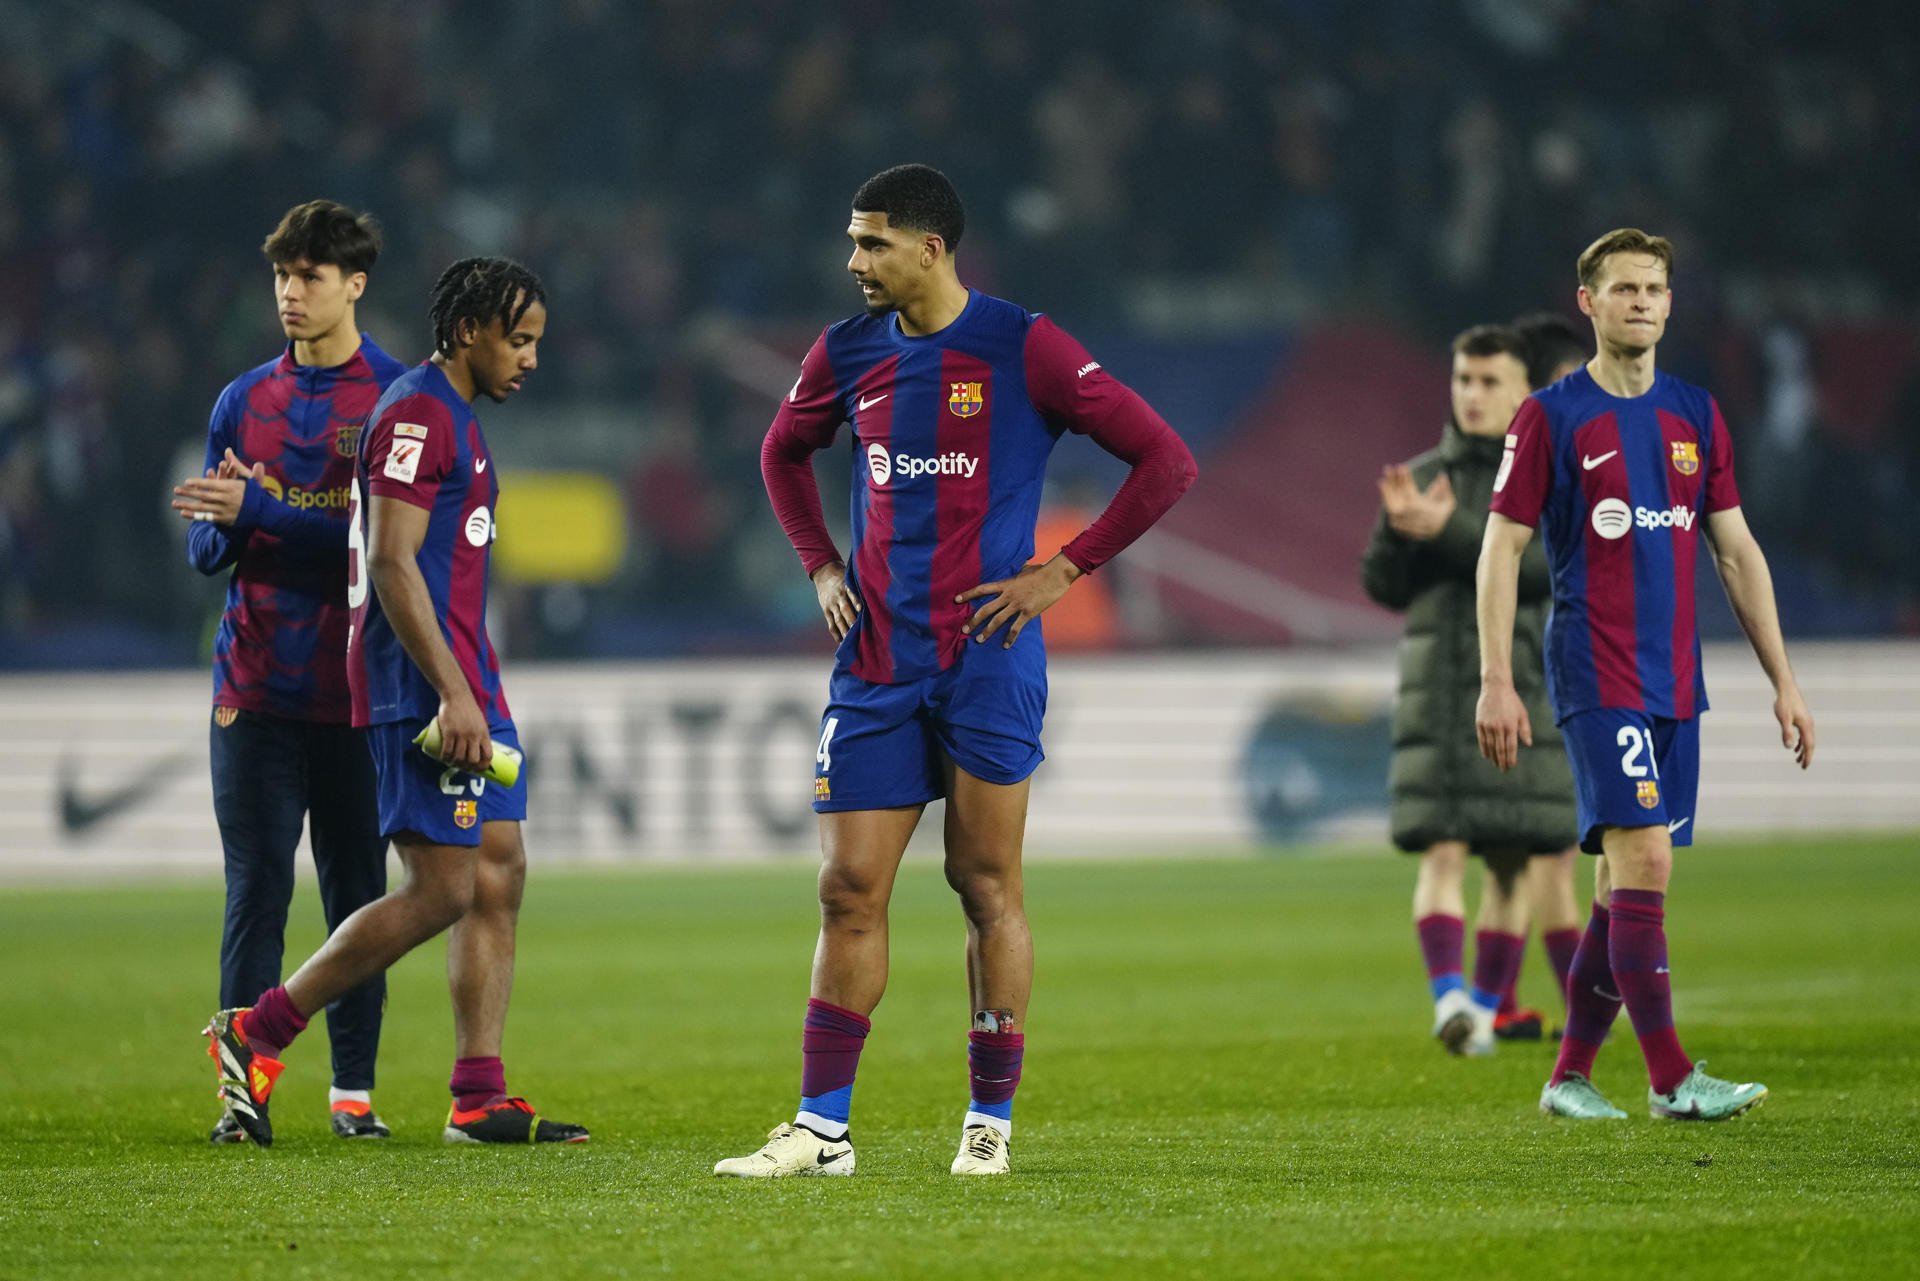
(883, 746)
(1632, 770)
(439, 803)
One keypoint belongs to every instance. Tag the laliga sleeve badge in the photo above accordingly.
(1647, 792)
(403, 461)
(225, 716)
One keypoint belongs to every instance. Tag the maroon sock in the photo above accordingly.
(1509, 1003)
(1592, 1001)
(831, 1038)
(477, 1082)
(1496, 962)
(1442, 939)
(272, 1023)
(1638, 953)
(1561, 945)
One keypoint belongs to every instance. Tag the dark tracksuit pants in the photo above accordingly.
(269, 775)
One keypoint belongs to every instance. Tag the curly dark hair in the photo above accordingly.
(918, 197)
(482, 290)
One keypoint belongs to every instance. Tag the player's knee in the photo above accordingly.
(848, 897)
(984, 895)
(1448, 859)
(442, 896)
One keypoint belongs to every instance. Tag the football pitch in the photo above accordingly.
(1228, 1075)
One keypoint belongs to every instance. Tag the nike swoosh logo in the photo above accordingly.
(79, 812)
(1676, 825)
(821, 1158)
(1589, 464)
(864, 401)
(479, 465)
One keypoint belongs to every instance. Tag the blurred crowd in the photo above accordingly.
(679, 172)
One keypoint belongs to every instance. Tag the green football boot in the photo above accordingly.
(1575, 1097)
(1705, 1098)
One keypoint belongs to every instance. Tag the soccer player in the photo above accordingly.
(956, 399)
(272, 507)
(1622, 467)
(421, 527)
(1554, 350)
(1447, 803)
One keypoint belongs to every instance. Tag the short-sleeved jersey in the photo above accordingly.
(1618, 488)
(281, 647)
(423, 446)
(951, 435)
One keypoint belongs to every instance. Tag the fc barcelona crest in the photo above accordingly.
(225, 716)
(1686, 457)
(346, 441)
(966, 399)
(467, 813)
(1647, 792)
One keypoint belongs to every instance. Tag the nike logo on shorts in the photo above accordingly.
(865, 401)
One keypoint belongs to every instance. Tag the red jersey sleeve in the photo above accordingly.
(1526, 468)
(1070, 389)
(807, 421)
(410, 449)
(1721, 491)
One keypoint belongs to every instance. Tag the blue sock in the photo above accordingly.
(1445, 983)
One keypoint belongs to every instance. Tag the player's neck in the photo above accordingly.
(934, 310)
(331, 349)
(458, 374)
(1625, 374)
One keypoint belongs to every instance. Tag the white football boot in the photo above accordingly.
(791, 1150)
(983, 1150)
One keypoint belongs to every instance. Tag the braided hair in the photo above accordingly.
(482, 290)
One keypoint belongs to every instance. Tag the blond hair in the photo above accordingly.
(1623, 240)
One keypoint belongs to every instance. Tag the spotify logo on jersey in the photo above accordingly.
(480, 527)
(1612, 518)
(879, 464)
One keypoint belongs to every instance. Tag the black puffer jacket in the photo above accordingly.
(1442, 789)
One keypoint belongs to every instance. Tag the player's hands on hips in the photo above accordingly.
(1419, 514)
(837, 601)
(463, 733)
(1501, 722)
(218, 495)
(1017, 600)
(1796, 724)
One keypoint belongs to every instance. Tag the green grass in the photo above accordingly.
(1229, 1076)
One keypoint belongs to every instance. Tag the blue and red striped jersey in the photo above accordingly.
(282, 642)
(951, 435)
(424, 446)
(1618, 488)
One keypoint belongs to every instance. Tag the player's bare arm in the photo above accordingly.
(1419, 514)
(1749, 586)
(837, 600)
(395, 531)
(1500, 719)
(219, 495)
(1019, 599)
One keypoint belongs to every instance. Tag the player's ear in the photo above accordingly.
(466, 330)
(931, 248)
(1585, 300)
(356, 285)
